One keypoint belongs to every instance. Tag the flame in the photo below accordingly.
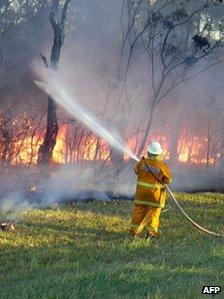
(183, 152)
(59, 152)
(25, 151)
(91, 149)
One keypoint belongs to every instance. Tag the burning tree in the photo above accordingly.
(178, 42)
(173, 42)
(14, 16)
(58, 24)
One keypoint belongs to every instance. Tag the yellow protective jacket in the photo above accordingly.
(149, 191)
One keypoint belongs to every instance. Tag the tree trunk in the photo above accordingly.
(174, 154)
(208, 153)
(208, 144)
(116, 157)
(6, 146)
(145, 136)
(46, 149)
(221, 158)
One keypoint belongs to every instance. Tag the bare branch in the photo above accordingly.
(1, 57)
(53, 16)
(44, 59)
(63, 15)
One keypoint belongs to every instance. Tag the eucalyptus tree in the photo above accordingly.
(17, 13)
(58, 21)
(14, 16)
(178, 40)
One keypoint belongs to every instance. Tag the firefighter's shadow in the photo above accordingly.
(118, 208)
(73, 231)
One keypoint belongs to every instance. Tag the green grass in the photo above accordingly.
(84, 251)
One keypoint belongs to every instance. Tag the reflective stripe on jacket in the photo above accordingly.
(149, 191)
(150, 204)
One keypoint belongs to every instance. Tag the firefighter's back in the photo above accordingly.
(152, 173)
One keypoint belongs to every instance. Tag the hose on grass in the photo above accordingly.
(215, 234)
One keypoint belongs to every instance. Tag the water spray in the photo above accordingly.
(53, 85)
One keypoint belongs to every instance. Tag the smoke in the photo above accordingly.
(66, 183)
(89, 75)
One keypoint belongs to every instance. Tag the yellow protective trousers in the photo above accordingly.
(147, 216)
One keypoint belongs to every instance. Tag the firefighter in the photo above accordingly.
(152, 174)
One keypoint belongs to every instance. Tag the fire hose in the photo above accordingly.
(215, 234)
(189, 218)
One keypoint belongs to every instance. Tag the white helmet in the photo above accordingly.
(155, 148)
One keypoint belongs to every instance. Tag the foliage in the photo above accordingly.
(17, 12)
(178, 40)
(171, 33)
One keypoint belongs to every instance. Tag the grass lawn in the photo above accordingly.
(84, 251)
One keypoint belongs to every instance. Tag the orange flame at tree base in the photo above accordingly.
(26, 151)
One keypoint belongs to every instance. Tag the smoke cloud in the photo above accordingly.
(189, 119)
